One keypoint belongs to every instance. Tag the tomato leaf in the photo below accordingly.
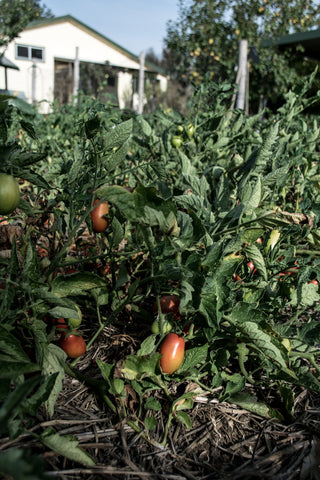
(120, 197)
(257, 258)
(184, 418)
(250, 403)
(20, 464)
(53, 362)
(147, 346)
(118, 135)
(139, 367)
(66, 446)
(75, 284)
(193, 357)
(153, 404)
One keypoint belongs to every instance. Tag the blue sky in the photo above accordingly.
(136, 25)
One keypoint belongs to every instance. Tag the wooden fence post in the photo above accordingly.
(76, 73)
(141, 84)
(242, 71)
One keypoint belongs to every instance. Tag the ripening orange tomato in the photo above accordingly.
(169, 304)
(99, 222)
(172, 350)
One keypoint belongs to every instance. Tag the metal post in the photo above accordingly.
(76, 73)
(141, 83)
(243, 47)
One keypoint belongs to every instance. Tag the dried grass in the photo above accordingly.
(225, 441)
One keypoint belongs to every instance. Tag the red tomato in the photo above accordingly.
(172, 350)
(236, 278)
(259, 240)
(73, 345)
(252, 267)
(169, 304)
(99, 223)
(314, 281)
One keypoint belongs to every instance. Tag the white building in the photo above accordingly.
(50, 53)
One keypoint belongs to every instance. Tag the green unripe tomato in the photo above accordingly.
(9, 194)
(75, 322)
(190, 130)
(155, 327)
(180, 128)
(176, 141)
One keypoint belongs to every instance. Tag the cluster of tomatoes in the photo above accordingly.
(71, 342)
(178, 139)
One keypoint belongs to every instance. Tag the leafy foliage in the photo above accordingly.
(182, 220)
(204, 43)
(15, 16)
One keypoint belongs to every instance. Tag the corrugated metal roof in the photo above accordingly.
(310, 41)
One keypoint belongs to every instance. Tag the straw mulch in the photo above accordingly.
(225, 441)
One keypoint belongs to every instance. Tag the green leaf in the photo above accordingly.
(58, 312)
(118, 135)
(251, 196)
(140, 367)
(41, 395)
(10, 369)
(75, 284)
(184, 418)
(145, 127)
(147, 346)
(92, 126)
(213, 295)
(120, 197)
(25, 159)
(11, 348)
(193, 357)
(21, 464)
(53, 363)
(115, 159)
(66, 446)
(257, 258)
(307, 294)
(234, 384)
(266, 344)
(153, 404)
(11, 405)
(115, 385)
(150, 423)
(250, 403)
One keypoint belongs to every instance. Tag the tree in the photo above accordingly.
(15, 16)
(203, 43)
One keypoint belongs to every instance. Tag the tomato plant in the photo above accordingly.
(172, 350)
(73, 345)
(99, 222)
(9, 194)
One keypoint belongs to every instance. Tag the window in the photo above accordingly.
(26, 52)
